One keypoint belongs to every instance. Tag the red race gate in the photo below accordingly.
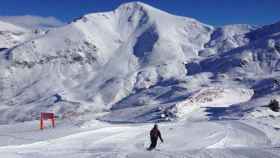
(46, 116)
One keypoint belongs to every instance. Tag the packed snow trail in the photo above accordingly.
(182, 139)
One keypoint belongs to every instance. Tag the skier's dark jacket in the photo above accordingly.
(155, 134)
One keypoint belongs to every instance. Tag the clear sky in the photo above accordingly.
(213, 12)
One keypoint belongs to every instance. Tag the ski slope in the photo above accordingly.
(239, 139)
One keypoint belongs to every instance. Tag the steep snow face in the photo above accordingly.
(99, 59)
(136, 61)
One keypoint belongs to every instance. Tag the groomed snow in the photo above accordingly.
(203, 139)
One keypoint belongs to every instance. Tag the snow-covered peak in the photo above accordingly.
(132, 8)
(127, 8)
(137, 6)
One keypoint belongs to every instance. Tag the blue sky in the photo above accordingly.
(214, 12)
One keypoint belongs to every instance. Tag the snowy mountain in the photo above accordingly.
(137, 64)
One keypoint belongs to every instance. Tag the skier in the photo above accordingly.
(154, 135)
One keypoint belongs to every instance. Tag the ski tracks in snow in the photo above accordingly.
(182, 140)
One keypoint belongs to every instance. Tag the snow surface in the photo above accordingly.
(246, 138)
(132, 67)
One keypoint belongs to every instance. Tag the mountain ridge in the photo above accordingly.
(136, 56)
